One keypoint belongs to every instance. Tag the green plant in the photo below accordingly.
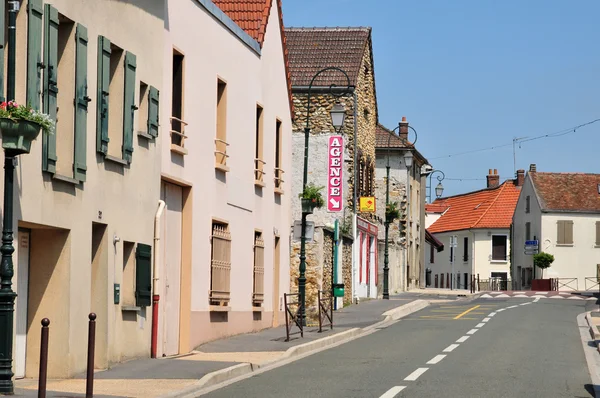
(392, 211)
(542, 261)
(12, 110)
(312, 193)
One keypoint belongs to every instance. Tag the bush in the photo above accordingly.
(392, 212)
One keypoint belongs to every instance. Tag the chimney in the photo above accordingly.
(493, 179)
(404, 129)
(532, 168)
(520, 177)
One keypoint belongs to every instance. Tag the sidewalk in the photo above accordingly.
(219, 360)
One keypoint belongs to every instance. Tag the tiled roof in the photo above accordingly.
(435, 207)
(253, 16)
(312, 49)
(487, 208)
(435, 242)
(576, 192)
(385, 136)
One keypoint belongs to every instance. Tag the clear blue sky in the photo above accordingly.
(470, 74)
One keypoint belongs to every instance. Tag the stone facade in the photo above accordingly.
(346, 248)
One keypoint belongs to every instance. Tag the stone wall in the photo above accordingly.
(327, 259)
(346, 248)
(314, 271)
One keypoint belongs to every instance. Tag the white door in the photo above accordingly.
(171, 267)
(21, 303)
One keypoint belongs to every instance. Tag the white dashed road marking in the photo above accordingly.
(462, 339)
(451, 348)
(485, 320)
(436, 359)
(472, 331)
(479, 325)
(512, 306)
(536, 299)
(492, 314)
(415, 375)
(392, 392)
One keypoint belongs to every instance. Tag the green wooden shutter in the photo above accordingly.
(129, 105)
(35, 11)
(153, 109)
(50, 85)
(143, 275)
(560, 232)
(569, 232)
(81, 103)
(102, 98)
(2, 20)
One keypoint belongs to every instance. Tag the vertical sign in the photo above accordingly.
(334, 173)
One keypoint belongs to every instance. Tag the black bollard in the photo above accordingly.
(89, 386)
(43, 359)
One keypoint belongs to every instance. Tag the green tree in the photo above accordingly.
(542, 261)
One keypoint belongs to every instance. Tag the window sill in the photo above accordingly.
(115, 159)
(145, 135)
(221, 167)
(260, 184)
(499, 261)
(179, 149)
(256, 308)
(565, 245)
(279, 191)
(127, 308)
(66, 179)
(597, 246)
(219, 308)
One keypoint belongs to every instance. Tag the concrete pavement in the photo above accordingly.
(492, 348)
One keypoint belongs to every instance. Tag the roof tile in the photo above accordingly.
(567, 191)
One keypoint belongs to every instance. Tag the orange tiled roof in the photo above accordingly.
(252, 16)
(577, 192)
(487, 208)
(435, 207)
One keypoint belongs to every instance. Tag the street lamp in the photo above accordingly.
(439, 189)
(338, 116)
(11, 151)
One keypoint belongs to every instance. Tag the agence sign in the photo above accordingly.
(334, 173)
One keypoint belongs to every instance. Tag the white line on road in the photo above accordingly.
(436, 359)
(472, 331)
(492, 314)
(512, 306)
(479, 325)
(529, 302)
(500, 309)
(485, 319)
(451, 348)
(415, 375)
(392, 392)
(462, 339)
(536, 299)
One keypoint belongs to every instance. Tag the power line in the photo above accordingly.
(464, 179)
(560, 133)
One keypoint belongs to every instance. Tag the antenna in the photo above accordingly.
(515, 140)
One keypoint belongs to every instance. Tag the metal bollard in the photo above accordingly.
(89, 385)
(43, 359)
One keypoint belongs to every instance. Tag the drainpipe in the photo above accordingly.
(156, 297)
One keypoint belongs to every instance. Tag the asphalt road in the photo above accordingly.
(460, 349)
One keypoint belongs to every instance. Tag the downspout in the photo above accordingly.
(156, 296)
(354, 204)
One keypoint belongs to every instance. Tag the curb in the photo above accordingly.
(232, 372)
(593, 329)
(591, 356)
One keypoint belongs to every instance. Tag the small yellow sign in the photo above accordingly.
(367, 204)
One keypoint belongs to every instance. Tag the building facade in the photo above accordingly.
(562, 212)
(86, 196)
(226, 172)
(479, 224)
(311, 50)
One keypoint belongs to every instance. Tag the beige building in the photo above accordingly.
(85, 197)
(223, 263)
(561, 211)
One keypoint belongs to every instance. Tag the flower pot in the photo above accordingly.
(307, 206)
(17, 135)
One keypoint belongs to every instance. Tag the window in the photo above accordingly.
(499, 246)
(64, 88)
(116, 101)
(177, 123)
(597, 233)
(278, 158)
(258, 149)
(148, 107)
(220, 274)
(259, 270)
(221, 139)
(564, 232)
(128, 280)
(527, 204)
(465, 249)
(431, 254)
(527, 231)
(143, 275)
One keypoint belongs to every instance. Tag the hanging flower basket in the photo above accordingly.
(20, 125)
(311, 198)
(308, 206)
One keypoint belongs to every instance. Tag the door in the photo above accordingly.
(276, 260)
(171, 267)
(21, 303)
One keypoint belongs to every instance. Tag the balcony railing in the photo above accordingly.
(279, 180)
(220, 277)
(221, 154)
(259, 172)
(178, 135)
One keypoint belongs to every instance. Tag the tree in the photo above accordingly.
(542, 261)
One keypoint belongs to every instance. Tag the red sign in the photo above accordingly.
(335, 162)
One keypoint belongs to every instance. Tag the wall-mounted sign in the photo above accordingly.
(532, 247)
(367, 204)
(335, 161)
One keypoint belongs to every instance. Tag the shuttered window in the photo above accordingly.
(143, 275)
(220, 275)
(527, 231)
(81, 103)
(598, 233)
(153, 111)
(35, 12)
(432, 255)
(499, 246)
(527, 204)
(564, 232)
(50, 92)
(258, 293)
(103, 86)
(465, 249)
(129, 105)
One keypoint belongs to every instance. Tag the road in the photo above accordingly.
(482, 348)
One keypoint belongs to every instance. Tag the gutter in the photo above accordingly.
(156, 297)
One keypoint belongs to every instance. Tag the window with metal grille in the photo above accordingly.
(220, 273)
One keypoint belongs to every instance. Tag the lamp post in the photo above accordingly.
(338, 116)
(439, 189)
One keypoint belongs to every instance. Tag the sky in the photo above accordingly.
(474, 74)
